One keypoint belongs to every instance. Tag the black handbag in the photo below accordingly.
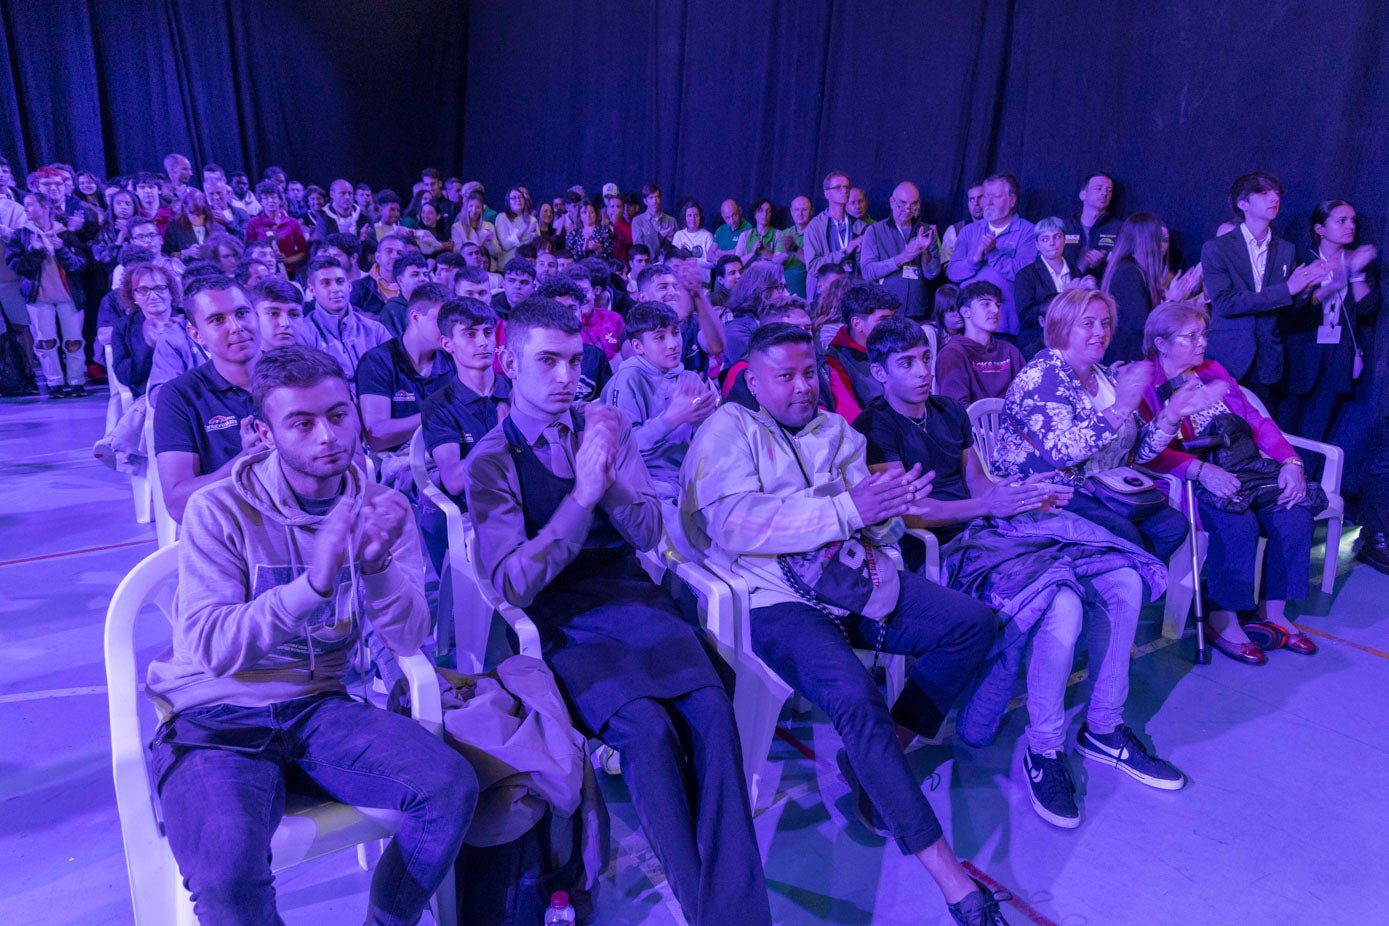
(1231, 446)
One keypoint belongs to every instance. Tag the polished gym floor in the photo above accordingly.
(1282, 822)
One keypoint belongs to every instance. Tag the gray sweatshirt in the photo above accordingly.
(643, 392)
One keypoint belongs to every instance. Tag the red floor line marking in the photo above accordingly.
(1022, 906)
(1335, 639)
(796, 744)
(109, 546)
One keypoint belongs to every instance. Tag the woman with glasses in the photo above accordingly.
(154, 295)
(1174, 340)
(1137, 278)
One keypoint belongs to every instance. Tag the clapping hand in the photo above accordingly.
(885, 495)
(1184, 284)
(595, 463)
(1194, 396)
(1132, 381)
(691, 401)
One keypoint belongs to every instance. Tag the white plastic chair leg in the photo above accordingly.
(1332, 556)
(757, 703)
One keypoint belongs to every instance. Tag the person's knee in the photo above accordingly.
(1064, 618)
(452, 793)
(72, 347)
(855, 705)
(1125, 585)
(46, 344)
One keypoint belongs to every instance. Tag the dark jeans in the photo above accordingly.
(221, 807)
(1160, 534)
(1234, 542)
(1374, 500)
(949, 633)
(683, 764)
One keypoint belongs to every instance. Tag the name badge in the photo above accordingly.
(911, 272)
(1328, 334)
(1073, 239)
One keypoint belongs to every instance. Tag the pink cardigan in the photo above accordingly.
(1176, 461)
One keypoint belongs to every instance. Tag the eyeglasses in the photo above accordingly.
(145, 236)
(144, 292)
(837, 186)
(1193, 337)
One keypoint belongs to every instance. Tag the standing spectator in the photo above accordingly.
(515, 225)
(242, 195)
(188, 227)
(590, 238)
(902, 254)
(615, 214)
(147, 195)
(90, 196)
(179, 171)
(996, 247)
(295, 197)
(1136, 276)
(652, 228)
(13, 304)
(278, 227)
(472, 227)
(833, 236)
(728, 235)
(974, 211)
(1252, 278)
(48, 258)
(858, 206)
(792, 244)
(115, 231)
(341, 215)
(976, 365)
(8, 189)
(1092, 232)
(1039, 282)
(694, 237)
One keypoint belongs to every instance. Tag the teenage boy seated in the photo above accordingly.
(472, 283)
(788, 484)
(473, 400)
(278, 565)
(600, 327)
(664, 401)
(203, 420)
(279, 306)
(338, 327)
(978, 365)
(411, 272)
(864, 305)
(562, 501)
(701, 328)
(595, 371)
(518, 282)
(446, 267)
(394, 379)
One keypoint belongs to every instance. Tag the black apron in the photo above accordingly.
(608, 632)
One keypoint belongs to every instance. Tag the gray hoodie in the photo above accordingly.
(248, 628)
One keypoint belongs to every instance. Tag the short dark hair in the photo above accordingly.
(558, 286)
(599, 273)
(429, 292)
(776, 334)
(774, 306)
(350, 245)
(276, 289)
(636, 249)
(894, 336)
(243, 269)
(215, 282)
(319, 264)
(466, 312)
(724, 263)
(830, 269)
(238, 174)
(977, 290)
(1085, 182)
(519, 265)
(862, 299)
(474, 274)
(133, 254)
(386, 197)
(578, 272)
(293, 366)
(407, 260)
(1246, 185)
(652, 271)
(449, 259)
(649, 316)
(268, 188)
(537, 313)
(648, 188)
(431, 172)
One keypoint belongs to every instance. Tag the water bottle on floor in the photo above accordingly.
(560, 913)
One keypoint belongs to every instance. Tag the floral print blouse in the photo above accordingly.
(1050, 422)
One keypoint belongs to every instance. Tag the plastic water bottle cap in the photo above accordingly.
(559, 899)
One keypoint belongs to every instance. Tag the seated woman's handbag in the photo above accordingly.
(1127, 492)
(1230, 445)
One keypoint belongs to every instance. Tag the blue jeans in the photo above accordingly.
(949, 632)
(221, 807)
(1234, 543)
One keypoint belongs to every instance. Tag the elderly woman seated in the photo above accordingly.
(1266, 495)
(1067, 412)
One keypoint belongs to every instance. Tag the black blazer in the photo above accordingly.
(1033, 291)
(1133, 303)
(1245, 335)
(1328, 366)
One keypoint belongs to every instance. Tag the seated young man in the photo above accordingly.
(411, 271)
(279, 309)
(701, 328)
(562, 501)
(278, 565)
(370, 293)
(203, 420)
(446, 267)
(601, 327)
(518, 282)
(665, 401)
(851, 380)
(339, 328)
(978, 365)
(767, 490)
(594, 371)
(472, 283)
(470, 404)
(394, 379)
(1051, 571)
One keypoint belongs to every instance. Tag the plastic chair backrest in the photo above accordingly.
(986, 419)
(166, 528)
(424, 483)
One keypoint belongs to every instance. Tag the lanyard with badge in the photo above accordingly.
(1334, 312)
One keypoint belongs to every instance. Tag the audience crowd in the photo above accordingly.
(802, 405)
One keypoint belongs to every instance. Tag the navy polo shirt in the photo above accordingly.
(200, 412)
(386, 370)
(458, 415)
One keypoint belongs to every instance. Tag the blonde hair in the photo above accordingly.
(1067, 308)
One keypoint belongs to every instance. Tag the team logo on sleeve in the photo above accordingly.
(221, 423)
(403, 395)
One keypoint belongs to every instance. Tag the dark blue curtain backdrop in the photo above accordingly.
(366, 89)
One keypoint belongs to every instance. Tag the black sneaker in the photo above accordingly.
(1123, 750)
(1374, 550)
(980, 908)
(863, 806)
(1053, 794)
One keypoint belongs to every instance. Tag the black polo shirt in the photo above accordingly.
(1102, 237)
(394, 315)
(386, 370)
(200, 412)
(458, 415)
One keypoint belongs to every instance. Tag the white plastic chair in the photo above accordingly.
(121, 400)
(308, 830)
(1335, 512)
(985, 420)
(165, 527)
(528, 638)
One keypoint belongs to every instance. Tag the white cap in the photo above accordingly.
(610, 189)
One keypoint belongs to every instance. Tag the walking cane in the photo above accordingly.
(1203, 652)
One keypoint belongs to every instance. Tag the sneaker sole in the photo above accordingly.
(1055, 819)
(1162, 784)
